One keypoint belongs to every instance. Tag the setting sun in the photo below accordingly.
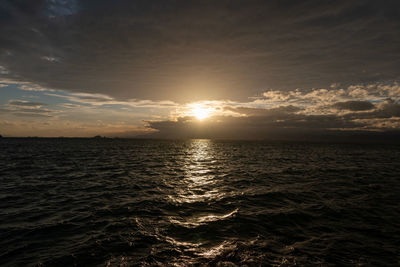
(201, 113)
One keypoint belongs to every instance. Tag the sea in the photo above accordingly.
(127, 202)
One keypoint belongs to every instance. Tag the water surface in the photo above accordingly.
(66, 202)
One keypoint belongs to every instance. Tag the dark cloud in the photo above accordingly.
(390, 109)
(256, 127)
(280, 123)
(353, 105)
(190, 50)
(385, 110)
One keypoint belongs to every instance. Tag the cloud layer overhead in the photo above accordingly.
(260, 68)
(198, 50)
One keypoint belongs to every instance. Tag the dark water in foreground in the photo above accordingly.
(137, 202)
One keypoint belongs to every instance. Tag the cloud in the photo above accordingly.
(354, 97)
(285, 122)
(5, 123)
(51, 59)
(25, 103)
(23, 108)
(140, 50)
(392, 123)
(61, 8)
(388, 109)
(32, 114)
(100, 99)
(3, 70)
(34, 88)
(70, 106)
(254, 127)
(264, 112)
(25, 86)
(353, 105)
(277, 114)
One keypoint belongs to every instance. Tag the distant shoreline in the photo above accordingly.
(338, 140)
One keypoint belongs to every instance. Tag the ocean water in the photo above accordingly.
(106, 202)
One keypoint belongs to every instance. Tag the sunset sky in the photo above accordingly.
(204, 69)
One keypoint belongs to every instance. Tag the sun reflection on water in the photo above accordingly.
(198, 184)
(200, 187)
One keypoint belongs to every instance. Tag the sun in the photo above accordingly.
(201, 113)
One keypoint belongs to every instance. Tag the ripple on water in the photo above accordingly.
(197, 202)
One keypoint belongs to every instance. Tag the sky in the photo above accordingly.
(199, 69)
